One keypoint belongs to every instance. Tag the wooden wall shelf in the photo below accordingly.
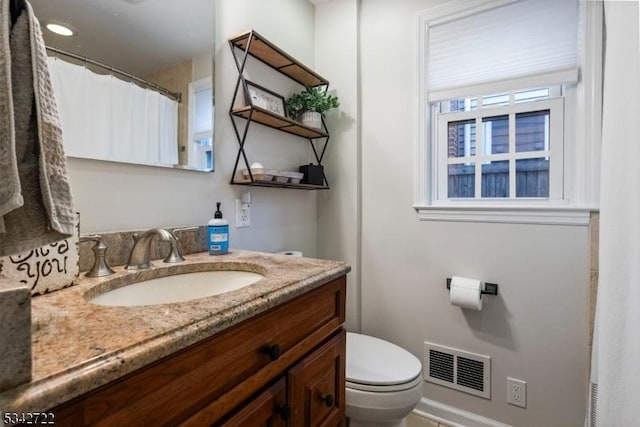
(275, 121)
(258, 183)
(276, 58)
(253, 44)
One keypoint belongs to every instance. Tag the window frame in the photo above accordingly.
(582, 116)
(555, 153)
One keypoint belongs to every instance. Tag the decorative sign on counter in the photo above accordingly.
(47, 268)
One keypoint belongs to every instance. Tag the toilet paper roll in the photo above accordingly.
(290, 253)
(466, 293)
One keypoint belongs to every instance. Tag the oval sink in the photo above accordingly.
(177, 288)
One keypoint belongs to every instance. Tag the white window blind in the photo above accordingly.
(525, 41)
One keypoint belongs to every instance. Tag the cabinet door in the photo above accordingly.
(269, 409)
(316, 385)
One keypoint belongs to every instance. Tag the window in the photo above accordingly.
(500, 126)
(501, 146)
(201, 124)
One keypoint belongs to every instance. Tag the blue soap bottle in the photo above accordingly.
(218, 234)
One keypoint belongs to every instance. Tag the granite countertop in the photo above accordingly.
(78, 346)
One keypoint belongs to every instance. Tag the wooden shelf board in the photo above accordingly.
(275, 121)
(278, 59)
(280, 185)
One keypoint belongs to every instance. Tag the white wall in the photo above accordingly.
(113, 197)
(536, 330)
(339, 208)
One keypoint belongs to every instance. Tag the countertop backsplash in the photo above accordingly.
(120, 244)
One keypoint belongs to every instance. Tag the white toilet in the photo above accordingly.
(383, 382)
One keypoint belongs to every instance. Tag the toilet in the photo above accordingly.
(383, 382)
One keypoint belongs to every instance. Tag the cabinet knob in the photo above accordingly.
(327, 399)
(284, 411)
(273, 351)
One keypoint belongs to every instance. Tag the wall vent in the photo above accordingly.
(458, 369)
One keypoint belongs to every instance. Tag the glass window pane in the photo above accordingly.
(531, 95)
(460, 104)
(532, 177)
(204, 142)
(495, 131)
(495, 179)
(455, 105)
(204, 110)
(461, 138)
(200, 154)
(462, 180)
(209, 159)
(495, 100)
(532, 131)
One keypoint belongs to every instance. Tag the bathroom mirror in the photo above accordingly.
(125, 43)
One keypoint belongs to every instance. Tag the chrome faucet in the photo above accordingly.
(139, 256)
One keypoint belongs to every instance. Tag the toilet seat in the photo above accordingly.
(379, 366)
(417, 381)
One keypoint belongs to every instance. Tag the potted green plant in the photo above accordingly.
(310, 104)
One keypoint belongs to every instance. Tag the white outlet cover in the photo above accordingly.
(516, 392)
(243, 214)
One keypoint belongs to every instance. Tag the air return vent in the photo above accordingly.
(458, 369)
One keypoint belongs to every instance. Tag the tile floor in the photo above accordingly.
(415, 421)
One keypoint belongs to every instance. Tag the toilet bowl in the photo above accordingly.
(383, 382)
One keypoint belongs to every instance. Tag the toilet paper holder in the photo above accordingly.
(489, 288)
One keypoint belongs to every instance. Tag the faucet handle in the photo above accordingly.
(100, 266)
(175, 255)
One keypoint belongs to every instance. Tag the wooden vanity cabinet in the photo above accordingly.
(269, 409)
(315, 393)
(317, 385)
(283, 367)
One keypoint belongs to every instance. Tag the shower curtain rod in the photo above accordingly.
(174, 95)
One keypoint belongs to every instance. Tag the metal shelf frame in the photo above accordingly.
(253, 44)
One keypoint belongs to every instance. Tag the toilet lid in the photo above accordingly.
(372, 361)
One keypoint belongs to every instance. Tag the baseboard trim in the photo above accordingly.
(454, 417)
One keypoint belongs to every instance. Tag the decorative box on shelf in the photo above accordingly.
(259, 174)
(272, 177)
(312, 174)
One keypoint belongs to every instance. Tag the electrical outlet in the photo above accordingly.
(516, 392)
(243, 214)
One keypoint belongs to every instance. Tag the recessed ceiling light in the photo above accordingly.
(60, 29)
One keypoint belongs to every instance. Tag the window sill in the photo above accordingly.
(543, 215)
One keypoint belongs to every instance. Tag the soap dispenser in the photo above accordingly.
(218, 233)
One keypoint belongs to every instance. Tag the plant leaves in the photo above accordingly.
(311, 99)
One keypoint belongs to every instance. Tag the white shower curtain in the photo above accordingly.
(615, 374)
(106, 118)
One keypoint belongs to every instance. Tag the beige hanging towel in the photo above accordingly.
(10, 197)
(35, 196)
